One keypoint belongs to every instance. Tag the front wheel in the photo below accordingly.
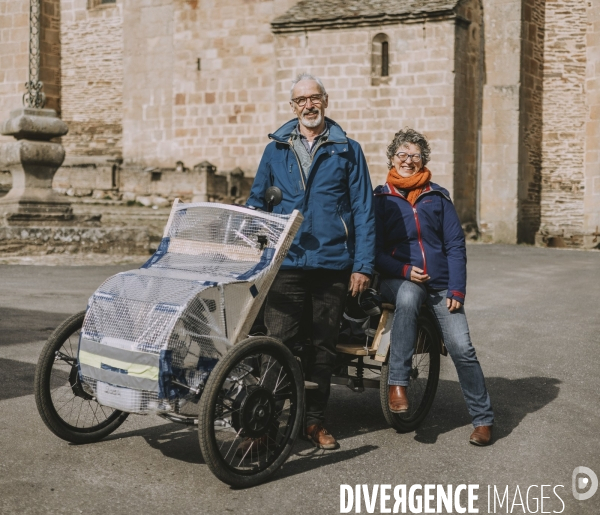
(423, 382)
(251, 411)
(67, 406)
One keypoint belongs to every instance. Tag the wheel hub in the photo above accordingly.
(254, 410)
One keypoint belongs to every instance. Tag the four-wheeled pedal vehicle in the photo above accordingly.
(171, 338)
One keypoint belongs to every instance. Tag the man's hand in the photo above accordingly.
(453, 305)
(417, 275)
(358, 283)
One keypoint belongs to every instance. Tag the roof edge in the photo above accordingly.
(361, 21)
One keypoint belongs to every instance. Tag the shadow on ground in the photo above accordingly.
(351, 414)
(16, 378)
(181, 443)
(172, 440)
(512, 400)
(26, 326)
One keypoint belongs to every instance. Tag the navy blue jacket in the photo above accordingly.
(336, 200)
(428, 235)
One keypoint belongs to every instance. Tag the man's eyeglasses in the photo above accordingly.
(403, 156)
(314, 99)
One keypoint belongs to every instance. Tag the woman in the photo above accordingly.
(421, 255)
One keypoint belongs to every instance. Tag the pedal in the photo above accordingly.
(308, 385)
(355, 384)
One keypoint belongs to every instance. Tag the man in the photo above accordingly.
(324, 175)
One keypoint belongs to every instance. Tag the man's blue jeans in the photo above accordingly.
(408, 298)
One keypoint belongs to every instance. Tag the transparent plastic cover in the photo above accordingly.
(151, 336)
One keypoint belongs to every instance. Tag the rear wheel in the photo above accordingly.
(424, 376)
(251, 411)
(67, 406)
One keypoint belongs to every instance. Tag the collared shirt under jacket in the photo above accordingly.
(427, 235)
(335, 198)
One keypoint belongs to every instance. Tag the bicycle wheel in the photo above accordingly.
(423, 383)
(251, 411)
(67, 406)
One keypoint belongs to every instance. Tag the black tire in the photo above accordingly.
(253, 401)
(67, 406)
(424, 379)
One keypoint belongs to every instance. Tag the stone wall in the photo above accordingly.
(221, 112)
(95, 179)
(224, 111)
(92, 77)
(14, 51)
(148, 96)
(50, 51)
(565, 112)
(419, 92)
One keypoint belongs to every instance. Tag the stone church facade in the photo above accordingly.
(507, 91)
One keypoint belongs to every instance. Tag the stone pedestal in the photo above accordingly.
(33, 160)
(35, 219)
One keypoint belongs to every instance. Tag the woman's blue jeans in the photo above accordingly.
(408, 298)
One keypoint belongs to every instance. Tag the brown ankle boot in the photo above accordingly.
(481, 436)
(320, 437)
(397, 399)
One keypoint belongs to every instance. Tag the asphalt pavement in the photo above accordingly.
(535, 322)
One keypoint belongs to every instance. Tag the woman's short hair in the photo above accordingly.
(408, 135)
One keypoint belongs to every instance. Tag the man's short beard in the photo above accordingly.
(311, 124)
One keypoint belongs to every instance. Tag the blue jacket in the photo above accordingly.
(336, 200)
(428, 236)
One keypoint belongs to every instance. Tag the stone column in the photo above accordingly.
(591, 200)
(33, 160)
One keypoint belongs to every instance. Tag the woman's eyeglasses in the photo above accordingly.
(403, 156)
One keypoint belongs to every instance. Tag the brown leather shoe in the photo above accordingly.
(320, 437)
(397, 399)
(482, 436)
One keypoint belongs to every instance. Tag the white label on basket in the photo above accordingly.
(124, 399)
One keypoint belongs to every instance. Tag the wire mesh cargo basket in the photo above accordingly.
(152, 336)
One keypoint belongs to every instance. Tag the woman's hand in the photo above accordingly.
(417, 275)
(453, 305)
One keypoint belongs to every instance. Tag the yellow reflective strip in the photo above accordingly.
(87, 358)
(133, 369)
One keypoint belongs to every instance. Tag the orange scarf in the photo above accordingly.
(413, 184)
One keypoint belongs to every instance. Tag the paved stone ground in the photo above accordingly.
(534, 316)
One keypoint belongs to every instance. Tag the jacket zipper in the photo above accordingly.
(299, 166)
(419, 238)
(414, 208)
(345, 226)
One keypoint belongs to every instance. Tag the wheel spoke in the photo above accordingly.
(279, 381)
(266, 371)
(237, 435)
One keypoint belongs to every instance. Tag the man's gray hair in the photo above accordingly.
(408, 135)
(307, 76)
